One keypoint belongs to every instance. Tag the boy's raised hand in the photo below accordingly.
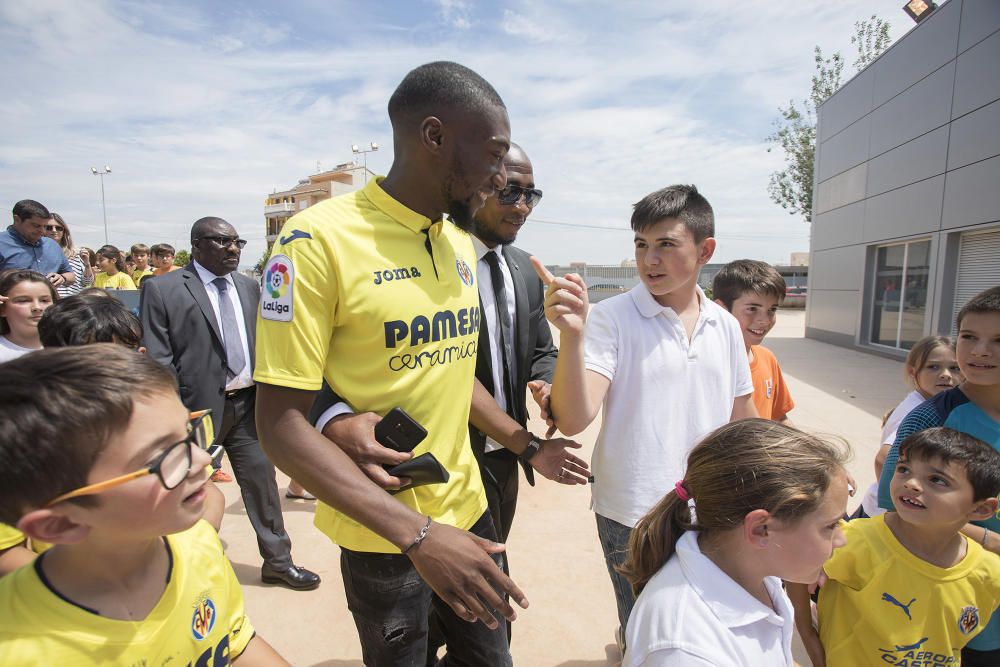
(566, 301)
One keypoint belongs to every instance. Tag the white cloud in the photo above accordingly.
(205, 115)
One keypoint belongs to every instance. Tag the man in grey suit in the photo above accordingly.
(201, 322)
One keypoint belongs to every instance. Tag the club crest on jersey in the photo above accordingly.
(203, 619)
(464, 272)
(277, 288)
(968, 619)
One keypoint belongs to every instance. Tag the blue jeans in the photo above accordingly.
(390, 605)
(614, 541)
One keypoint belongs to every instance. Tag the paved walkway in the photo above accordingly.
(555, 556)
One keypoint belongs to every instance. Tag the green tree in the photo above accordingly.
(795, 131)
(182, 258)
(259, 267)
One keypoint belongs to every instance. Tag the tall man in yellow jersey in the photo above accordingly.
(375, 292)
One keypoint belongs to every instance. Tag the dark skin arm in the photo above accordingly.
(455, 563)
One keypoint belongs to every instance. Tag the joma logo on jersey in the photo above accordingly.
(395, 274)
(442, 325)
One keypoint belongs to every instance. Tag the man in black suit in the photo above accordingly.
(201, 322)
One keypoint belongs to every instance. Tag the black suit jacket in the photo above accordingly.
(534, 351)
(180, 331)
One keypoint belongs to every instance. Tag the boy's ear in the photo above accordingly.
(706, 251)
(755, 528)
(52, 526)
(984, 509)
(721, 303)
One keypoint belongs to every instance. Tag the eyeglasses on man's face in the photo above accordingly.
(171, 467)
(225, 241)
(512, 193)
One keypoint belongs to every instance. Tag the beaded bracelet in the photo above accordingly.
(421, 536)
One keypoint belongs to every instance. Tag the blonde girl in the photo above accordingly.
(112, 266)
(24, 296)
(930, 368)
(760, 502)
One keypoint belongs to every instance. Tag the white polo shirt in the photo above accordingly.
(691, 614)
(666, 394)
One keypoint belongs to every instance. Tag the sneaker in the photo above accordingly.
(220, 476)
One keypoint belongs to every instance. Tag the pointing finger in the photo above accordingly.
(544, 274)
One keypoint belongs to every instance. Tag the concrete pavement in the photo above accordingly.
(554, 552)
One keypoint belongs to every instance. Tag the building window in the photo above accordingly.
(899, 303)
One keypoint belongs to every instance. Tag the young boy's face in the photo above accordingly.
(756, 314)
(163, 261)
(142, 507)
(141, 260)
(668, 258)
(929, 492)
(978, 348)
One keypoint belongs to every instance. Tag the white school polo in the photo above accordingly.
(692, 614)
(666, 394)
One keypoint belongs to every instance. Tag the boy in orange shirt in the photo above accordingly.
(752, 291)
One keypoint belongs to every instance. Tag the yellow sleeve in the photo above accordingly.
(10, 536)
(851, 564)
(298, 304)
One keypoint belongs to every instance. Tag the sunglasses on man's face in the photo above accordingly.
(171, 467)
(225, 241)
(512, 193)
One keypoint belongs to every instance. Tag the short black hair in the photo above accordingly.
(747, 275)
(682, 202)
(430, 88)
(29, 208)
(202, 225)
(61, 408)
(980, 460)
(987, 301)
(83, 319)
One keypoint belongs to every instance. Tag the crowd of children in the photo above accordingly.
(108, 543)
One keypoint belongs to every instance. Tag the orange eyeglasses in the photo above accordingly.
(171, 467)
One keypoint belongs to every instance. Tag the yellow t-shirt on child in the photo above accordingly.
(199, 620)
(883, 605)
(120, 280)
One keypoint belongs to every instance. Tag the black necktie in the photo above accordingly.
(506, 332)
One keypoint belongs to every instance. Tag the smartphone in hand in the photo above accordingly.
(399, 431)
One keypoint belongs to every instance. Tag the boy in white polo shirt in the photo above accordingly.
(668, 364)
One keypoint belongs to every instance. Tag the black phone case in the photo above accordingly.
(399, 431)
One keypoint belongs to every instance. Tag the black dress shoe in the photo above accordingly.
(294, 577)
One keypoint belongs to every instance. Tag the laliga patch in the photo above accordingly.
(277, 287)
(203, 619)
(968, 620)
(464, 272)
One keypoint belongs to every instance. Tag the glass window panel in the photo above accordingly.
(914, 309)
(886, 299)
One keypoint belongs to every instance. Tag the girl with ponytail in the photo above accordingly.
(760, 502)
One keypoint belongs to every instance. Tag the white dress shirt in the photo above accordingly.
(484, 275)
(245, 378)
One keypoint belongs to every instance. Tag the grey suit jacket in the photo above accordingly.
(180, 331)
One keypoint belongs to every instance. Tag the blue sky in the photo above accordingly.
(205, 108)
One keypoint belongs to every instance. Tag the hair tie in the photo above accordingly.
(682, 492)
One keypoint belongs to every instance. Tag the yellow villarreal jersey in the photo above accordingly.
(120, 280)
(382, 302)
(884, 606)
(199, 620)
(12, 537)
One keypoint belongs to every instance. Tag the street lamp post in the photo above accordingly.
(364, 153)
(104, 208)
